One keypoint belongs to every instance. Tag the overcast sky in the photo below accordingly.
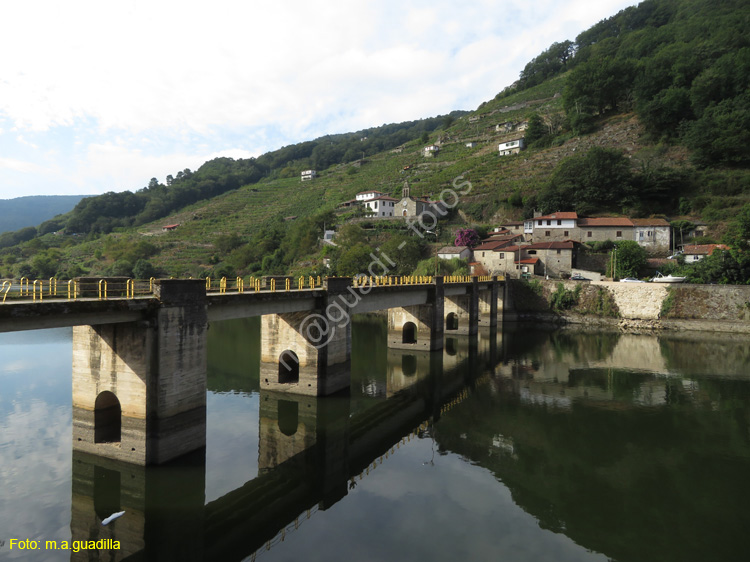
(102, 96)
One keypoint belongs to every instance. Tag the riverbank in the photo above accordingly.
(630, 306)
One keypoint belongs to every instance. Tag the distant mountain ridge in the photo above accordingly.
(33, 210)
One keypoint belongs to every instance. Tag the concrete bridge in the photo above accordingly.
(139, 363)
(312, 451)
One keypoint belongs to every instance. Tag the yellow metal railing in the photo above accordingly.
(103, 289)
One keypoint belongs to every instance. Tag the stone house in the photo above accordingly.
(652, 233)
(453, 252)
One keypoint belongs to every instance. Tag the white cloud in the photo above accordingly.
(283, 72)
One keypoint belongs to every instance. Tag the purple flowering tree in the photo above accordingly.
(466, 237)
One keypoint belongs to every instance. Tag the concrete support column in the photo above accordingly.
(309, 353)
(421, 326)
(139, 388)
(488, 305)
(462, 311)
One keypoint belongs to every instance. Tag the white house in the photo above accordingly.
(431, 150)
(512, 146)
(367, 195)
(696, 252)
(471, 144)
(308, 175)
(452, 252)
(382, 206)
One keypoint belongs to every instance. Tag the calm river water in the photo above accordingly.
(527, 445)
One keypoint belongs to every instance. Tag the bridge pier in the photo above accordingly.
(139, 388)
(309, 353)
(488, 305)
(421, 326)
(462, 311)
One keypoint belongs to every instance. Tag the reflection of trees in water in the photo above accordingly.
(726, 357)
(583, 346)
(667, 483)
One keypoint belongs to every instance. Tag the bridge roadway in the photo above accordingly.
(18, 315)
(262, 511)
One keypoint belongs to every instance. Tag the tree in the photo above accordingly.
(143, 269)
(738, 233)
(466, 237)
(630, 258)
(536, 130)
(600, 180)
(355, 260)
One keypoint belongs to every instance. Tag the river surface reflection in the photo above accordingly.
(525, 445)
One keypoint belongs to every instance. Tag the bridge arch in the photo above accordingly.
(409, 333)
(451, 321)
(107, 418)
(288, 367)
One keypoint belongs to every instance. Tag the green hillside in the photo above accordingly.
(21, 212)
(646, 113)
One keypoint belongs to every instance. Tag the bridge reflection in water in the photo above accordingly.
(312, 451)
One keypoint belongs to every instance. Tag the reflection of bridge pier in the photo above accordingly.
(163, 507)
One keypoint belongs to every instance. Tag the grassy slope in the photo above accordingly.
(493, 179)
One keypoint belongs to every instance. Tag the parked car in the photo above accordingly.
(579, 277)
(630, 280)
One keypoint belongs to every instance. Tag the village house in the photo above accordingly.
(453, 252)
(696, 252)
(604, 228)
(652, 234)
(307, 175)
(513, 146)
(382, 206)
(555, 259)
(430, 150)
(365, 195)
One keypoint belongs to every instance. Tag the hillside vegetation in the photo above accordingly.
(645, 113)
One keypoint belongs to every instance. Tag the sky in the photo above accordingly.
(102, 96)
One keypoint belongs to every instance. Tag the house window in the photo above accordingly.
(588, 234)
(482, 254)
(502, 256)
(566, 233)
(619, 234)
(559, 252)
(547, 232)
(549, 223)
(539, 223)
(531, 252)
(649, 234)
(559, 223)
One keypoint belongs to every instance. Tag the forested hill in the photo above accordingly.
(683, 65)
(647, 113)
(32, 210)
(111, 210)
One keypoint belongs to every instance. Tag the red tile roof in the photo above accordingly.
(528, 261)
(557, 216)
(702, 249)
(491, 245)
(605, 221)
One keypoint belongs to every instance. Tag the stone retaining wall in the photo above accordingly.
(638, 306)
